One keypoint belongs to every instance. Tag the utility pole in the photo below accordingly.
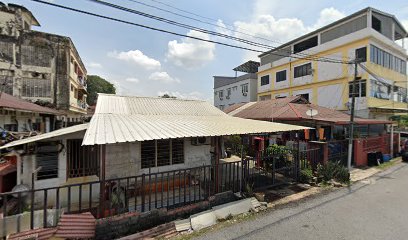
(351, 130)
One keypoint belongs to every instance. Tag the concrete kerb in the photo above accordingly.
(232, 208)
(361, 174)
(203, 220)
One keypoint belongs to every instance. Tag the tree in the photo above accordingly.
(97, 85)
(167, 96)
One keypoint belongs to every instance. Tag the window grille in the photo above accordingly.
(36, 87)
(82, 160)
(165, 152)
(177, 151)
(47, 158)
(148, 154)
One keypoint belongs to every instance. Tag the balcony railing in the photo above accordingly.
(82, 104)
(82, 81)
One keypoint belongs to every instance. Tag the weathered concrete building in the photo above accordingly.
(40, 67)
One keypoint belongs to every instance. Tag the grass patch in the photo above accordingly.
(389, 164)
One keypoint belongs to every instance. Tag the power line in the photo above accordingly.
(142, 26)
(184, 11)
(208, 31)
(231, 27)
(179, 24)
(153, 28)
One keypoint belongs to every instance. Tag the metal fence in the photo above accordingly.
(170, 189)
(338, 151)
(142, 193)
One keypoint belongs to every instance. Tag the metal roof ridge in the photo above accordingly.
(243, 107)
(295, 110)
(147, 97)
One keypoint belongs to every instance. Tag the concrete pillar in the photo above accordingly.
(392, 141)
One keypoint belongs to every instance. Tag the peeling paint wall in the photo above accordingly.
(36, 65)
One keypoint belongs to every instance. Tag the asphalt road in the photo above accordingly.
(376, 208)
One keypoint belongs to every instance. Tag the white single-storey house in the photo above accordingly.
(129, 136)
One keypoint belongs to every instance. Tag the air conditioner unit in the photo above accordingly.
(221, 98)
(244, 93)
(227, 97)
(196, 141)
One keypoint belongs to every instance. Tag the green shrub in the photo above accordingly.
(326, 172)
(306, 175)
(333, 170)
(342, 175)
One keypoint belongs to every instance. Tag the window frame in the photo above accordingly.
(280, 74)
(265, 80)
(54, 172)
(302, 70)
(157, 153)
(221, 94)
(361, 85)
(363, 51)
(244, 88)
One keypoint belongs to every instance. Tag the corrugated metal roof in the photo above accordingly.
(11, 102)
(56, 133)
(128, 119)
(76, 226)
(38, 234)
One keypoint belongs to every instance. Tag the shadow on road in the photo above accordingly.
(351, 190)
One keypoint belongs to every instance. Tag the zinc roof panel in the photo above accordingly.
(56, 133)
(156, 118)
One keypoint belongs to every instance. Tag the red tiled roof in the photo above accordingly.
(76, 226)
(8, 101)
(293, 108)
(7, 167)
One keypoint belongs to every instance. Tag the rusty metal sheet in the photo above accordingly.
(8, 101)
(76, 226)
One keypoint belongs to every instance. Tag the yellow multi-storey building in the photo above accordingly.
(311, 66)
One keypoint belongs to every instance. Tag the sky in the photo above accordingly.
(143, 62)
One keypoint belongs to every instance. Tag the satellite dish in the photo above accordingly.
(311, 112)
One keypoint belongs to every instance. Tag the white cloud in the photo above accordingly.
(163, 77)
(191, 95)
(137, 57)
(281, 30)
(266, 26)
(133, 80)
(328, 15)
(94, 65)
(222, 28)
(191, 53)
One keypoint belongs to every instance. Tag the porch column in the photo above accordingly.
(392, 141)
(217, 161)
(102, 172)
